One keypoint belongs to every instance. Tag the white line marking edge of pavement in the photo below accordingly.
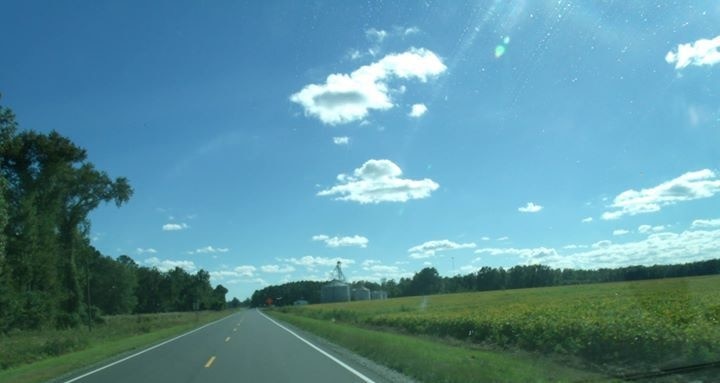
(318, 349)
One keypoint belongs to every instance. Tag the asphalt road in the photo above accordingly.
(244, 347)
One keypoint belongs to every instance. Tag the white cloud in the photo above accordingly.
(587, 220)
(377, 35)
(698, 53)
(411, 31)
(706, 223)
(149, 250)
(253, 281)
(502, 238)
(341, 140)
(525, 253)
(619, 232)
(174, 226)
(375, 271)
(210, 249)
(240, 274)
(645, 229)
(689, 186)
(485, 238)
(355, 240)
(530, 208)
(277, 269)
(345, 98)
(657, 248)
(379, 181)
(417, 110)
(245, 270)
(169, 264)
(311, 262)
(428, 249)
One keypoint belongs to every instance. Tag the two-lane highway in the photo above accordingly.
(243, 347)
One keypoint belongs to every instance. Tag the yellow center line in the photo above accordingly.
(227, 339)
(210, 362)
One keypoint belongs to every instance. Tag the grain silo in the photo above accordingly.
(379, 295)
(361, 293)
(336, 290)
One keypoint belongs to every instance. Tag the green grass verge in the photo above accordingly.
(117, 336)
(435, 361)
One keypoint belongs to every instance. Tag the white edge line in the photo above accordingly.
(144, 351)
(318, 349)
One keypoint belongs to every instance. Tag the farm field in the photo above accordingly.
(613, 328)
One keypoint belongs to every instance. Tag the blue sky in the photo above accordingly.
(267, 141)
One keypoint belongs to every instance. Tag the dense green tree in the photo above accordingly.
(234, 303)
(112, 285)
(150, 294)
(218, 295)
(50, 188)
(426, 281)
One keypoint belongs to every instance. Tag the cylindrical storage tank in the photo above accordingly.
(335, 291)
(361, 294)
(379, 295)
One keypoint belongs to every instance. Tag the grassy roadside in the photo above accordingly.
(119, 335)
(431, 361)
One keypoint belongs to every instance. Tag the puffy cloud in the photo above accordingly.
(379, 181)
(377, 35)
(525, 253)
(355, 240)
(149, 250)
(311, 262)
(706, 223)
(245, 270)
(502, 238)
(417, 110)
(341, 140)
(485, 238)
(428, 249)
(277, 269)
(587, 220)
(252, 281)
(375, 271)
(169, 264)
(645, 229)
(210, 249)
(411, 31)
(657, 248)
(530, 208)
(698, 53)
(174, 226)
(619, 232)
(689, 186)
(240, 274)
(345, 98)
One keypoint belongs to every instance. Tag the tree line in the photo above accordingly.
(50, 274)
(428, 281)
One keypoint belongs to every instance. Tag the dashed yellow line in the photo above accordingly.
(210, 362)
(227, 339)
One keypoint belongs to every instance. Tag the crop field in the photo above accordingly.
(628, 325)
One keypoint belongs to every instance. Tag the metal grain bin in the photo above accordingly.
(335, 291)
(361, 294)
(379, 295)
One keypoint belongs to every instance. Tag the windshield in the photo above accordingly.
(262, 143)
